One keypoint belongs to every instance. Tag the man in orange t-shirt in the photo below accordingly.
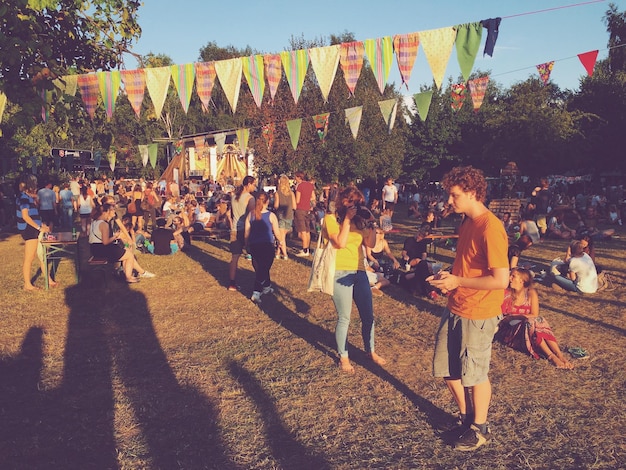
(480, 274)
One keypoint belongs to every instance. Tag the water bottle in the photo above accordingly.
(73, 233)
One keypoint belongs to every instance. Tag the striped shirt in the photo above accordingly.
(24, 201)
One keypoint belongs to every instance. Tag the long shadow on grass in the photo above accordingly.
(285, 446)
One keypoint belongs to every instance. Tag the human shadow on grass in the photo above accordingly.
(82, 424)
(288, 452)
(591, 321)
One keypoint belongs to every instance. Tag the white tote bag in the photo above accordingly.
(322, 278)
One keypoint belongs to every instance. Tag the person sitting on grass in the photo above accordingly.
(522, 328)
(380, 257)
(558, 229)
(163, 240)
(581, 275)
(414, 253)
(516, 249)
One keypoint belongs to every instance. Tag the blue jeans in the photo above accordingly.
(351, 285)
(566, 283)
(67, 217)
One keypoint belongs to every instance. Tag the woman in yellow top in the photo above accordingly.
(349, 230)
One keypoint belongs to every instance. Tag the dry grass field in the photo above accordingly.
(177, 372)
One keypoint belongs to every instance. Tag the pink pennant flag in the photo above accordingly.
(183, 77)
(321, 124)
(89, 91)
(351, 61)
(109, 83)
(134, 86)
(406, 46)
(380, 54)
(458, 95)
(273, 72)
(205, 80)
(478, 87)
(545, 70)
(253, 71)
(588, 59)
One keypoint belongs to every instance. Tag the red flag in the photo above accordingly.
(588, 59)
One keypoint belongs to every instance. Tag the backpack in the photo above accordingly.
(131, 207)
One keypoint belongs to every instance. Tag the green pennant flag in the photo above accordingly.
(152, 152)
(389, 108)
(294, 126)
(422, 101)
(468, 38)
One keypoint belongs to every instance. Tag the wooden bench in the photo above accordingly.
(100, 265)
(211, 233)
(500, 206)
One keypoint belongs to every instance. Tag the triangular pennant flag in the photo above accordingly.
(478, 88)
(437, 45)
(458, 95)
(220, 140)
(295, 64)
(134, 87)
(111, 156)
(273, 72)
(468, 38)
(422, 103)
(205, 79)
(143, 151)
(152, 153)
(229, 73)
(389, 109)
(158, 82)
(89, 89)
(324, 61)
(588, 59)
(97, 158)
(545, 70)
(406, 47)
(109, 83)
(267, 131)
(321, 124)
(254, 73)
(183, 77)
(67, 84)
(351, 60)
(380, 54)
(242, 137)
(294, 126)
(353, 117)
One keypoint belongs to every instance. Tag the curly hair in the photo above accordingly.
(468, 179)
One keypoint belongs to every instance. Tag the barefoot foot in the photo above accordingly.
(377, 359)
(558, 362)
(31, 288)
(345, 366)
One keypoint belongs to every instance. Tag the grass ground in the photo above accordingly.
(177, 372)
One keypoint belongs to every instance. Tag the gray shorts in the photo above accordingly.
(463, 348)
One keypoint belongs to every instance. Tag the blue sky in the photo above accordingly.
(179, 29)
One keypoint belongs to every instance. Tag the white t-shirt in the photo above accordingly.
(586, 274)
(390, 193)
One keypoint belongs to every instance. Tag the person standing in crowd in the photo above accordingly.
(284, 204)
(541, 198)
(67, 206)
(261, 228)
(85, 206)
(390, 196)
(241, 205)
(480, 274)
(30, 226)
(47, 199)
(349, 232)
(305, 199)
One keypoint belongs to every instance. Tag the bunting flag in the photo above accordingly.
(143, 151)
(295, 64)
(294, 126)
(406, 47)
(111, 156)
(588, 59)
(351, 60)
(134, 87)
(422, 103)
(109, 83)
(353, 117)
(273, 72)
(242, 137)
(389, 108)
(324, 61)
(220, 140)
(545, 70)
(468, 38)
(437, 45)
(183, 77)
(321, 124)
(97, 158)
(458, 95)
(267, 131)
(380, 54)
(67, 84)
(205, 79)
(89, 89)
(158, 82)
(229, 73)
(253, 71)
(152, 153)
(478, 88)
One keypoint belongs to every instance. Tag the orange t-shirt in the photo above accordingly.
(482, 246)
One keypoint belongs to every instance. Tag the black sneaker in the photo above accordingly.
(472, 439)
